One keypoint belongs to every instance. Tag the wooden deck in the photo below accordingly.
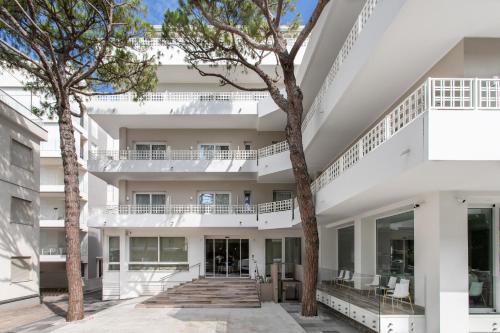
(373, 303)
(208, 293)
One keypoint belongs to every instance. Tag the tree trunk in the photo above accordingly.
(305, 200)
(72, 212)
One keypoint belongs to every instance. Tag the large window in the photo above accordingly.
(395, 235)
(214, 202)
(157, 253)
(21, 211)
(114, 253)
(21, 155)
(289, 259)
(281, 195)
(209, 151)
(151, 150)
(480, 240)
(346, 248)
(150, 203)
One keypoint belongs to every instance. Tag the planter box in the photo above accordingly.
(266, 292)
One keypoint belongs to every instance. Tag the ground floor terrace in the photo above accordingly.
(146, 261)
(423, 264)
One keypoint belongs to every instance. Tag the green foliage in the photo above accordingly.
(77, 47)
(231, 36)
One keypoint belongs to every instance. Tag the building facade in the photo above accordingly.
(52, 244)
(20, 135)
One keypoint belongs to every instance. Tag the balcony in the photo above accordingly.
(274, 163)
(177, 110)
(110, 165)
(409, 142)
(52, 254)
(273, 215)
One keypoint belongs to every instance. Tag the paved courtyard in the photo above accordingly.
(124, 317)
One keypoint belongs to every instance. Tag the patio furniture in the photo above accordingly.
(391, 284)
(339, 277)
(347, 277)
(401, 292)
(374, 285)
(476, 290)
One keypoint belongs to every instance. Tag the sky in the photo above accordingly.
(156, 8)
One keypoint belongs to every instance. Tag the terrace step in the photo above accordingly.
(207, 293)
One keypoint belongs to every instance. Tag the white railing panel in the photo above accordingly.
(172, 155)
(200, 96)
(274, 149)
(276, 206)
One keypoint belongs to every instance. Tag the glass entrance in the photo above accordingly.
(226, 257)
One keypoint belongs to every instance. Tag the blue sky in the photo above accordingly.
(156, 8)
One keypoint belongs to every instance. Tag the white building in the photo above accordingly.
(401, 139)
(52, 245)
(20, 136)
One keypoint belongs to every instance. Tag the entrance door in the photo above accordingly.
(227, 257)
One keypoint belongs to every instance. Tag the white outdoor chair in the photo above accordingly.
(476, 290)
(374, 285)
(347, 277)
(339, 277)
(401, 292)
(389, 288)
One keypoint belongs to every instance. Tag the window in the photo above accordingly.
(281, 195)
(151, 151)
(480, 248)
(214, 202)
(173, 249)
(345, 251)
(210, 151)
(21, 211)
(20, 269)
(293, 250)
(114, 253)
(21, 155)
(273, 253)
(395, 236)
(247, 145)
(158, 253)
(150, 203)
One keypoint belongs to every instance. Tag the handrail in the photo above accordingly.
(167, 278)
(201, 96)
(172, 155)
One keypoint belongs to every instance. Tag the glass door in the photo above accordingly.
(480, 248)
(227, 257)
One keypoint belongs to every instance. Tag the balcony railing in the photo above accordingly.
(155, 42)
(273, 149)
(199, 96)
(276, 206)
(270, 207)
(53, 251)
(174, 155)
(344, 52)
(433, 94)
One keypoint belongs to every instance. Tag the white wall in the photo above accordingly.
(135, 283)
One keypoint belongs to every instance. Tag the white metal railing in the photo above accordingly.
(200, 96)
(274, 149)
(276, 206)
(23, 109)
(53, 251)
(180, 209)
(351, 39)
(269, 207)
(173, 155)
(156, 41)
(433, 94)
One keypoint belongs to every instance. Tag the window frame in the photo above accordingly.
(158, 264)
(32, 224)
(31, 167)
(116, 264)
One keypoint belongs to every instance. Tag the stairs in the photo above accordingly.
(208, 293)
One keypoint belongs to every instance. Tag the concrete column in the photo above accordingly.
(123, 265)
(441, 262)
(123, 138)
